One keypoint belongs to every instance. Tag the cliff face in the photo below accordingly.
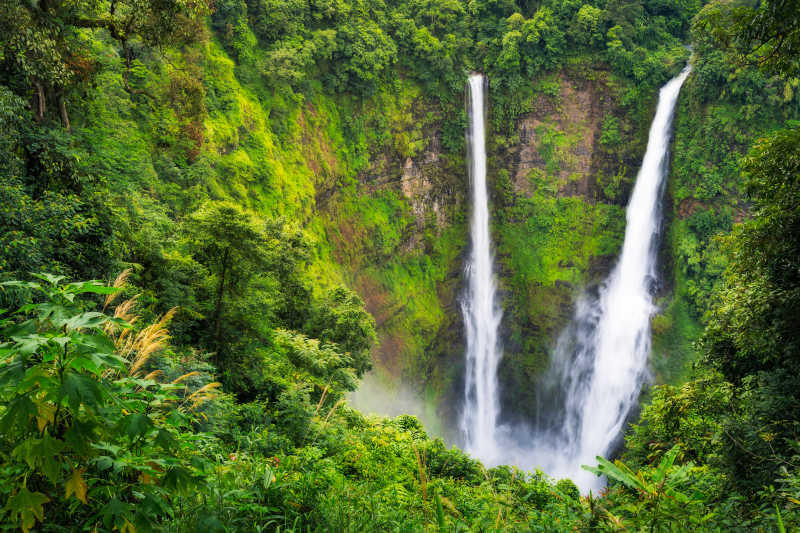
(398, 229)
(559, 182)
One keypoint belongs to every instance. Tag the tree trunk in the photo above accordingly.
(218, 306)
(40, 98)
(62, 106)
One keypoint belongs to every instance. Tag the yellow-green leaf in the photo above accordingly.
(76, 485)
(45, 416)
(127, 527)
(27, 506)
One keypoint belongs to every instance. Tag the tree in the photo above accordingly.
(41, 39)
(753, 331)
(230, 243)
(765, 33)
(340, 318)
(588, 26)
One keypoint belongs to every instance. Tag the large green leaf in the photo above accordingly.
(19, 413)
(618, 472)
(80, 435)
(30, 344)
(41, 454)
(135, 425)
(20, 329)
(12, 373)
(179, 480)
(92, 319)
(81, 389)
(165, 439)
(95, 287)
(52, 279)
(115, 512)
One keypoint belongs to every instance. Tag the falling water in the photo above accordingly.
(600, 361)
(481, 312)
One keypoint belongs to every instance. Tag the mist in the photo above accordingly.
(378, 396)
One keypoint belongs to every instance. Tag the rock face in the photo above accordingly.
(579, 114)
(563, 137)
(400, 232)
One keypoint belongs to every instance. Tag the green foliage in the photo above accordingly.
(661, 500)
(340, 318)
(739, 414)
(767, 33)
(86, 438)
(227, 242)
(251, 174)
(762, 281)
(609, 132)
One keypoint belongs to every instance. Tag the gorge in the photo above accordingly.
(254, 276)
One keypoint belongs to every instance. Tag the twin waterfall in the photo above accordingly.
(600, 361)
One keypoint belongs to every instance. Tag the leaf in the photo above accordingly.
(46, 415)
(104, 462)
(666, 463)
(25, 284)
(781, 527)
(95, 287)
(85, 364)
(28, 327)
(165, 440)
(80, 435)
(127, 527)
(92, 319)
(30, 343)
(12, 372)
(135, 425)
(50, 278)
(154, 505)
(41, 454)
(114, 510)
(97, 343)
(617, 471)
(179, 479)
(80, 389)
(19, 413)
(76, 485)
(27, 506)
(110, 360)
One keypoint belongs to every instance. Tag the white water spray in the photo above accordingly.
(481, 312)
(601, 359)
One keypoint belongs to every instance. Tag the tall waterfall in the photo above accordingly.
(600, 361)
(481, 312)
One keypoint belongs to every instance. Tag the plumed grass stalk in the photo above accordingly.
(139, 347)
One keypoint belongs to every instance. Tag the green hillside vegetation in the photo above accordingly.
(273, 193)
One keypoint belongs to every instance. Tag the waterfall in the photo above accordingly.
(600, 361)
(479, 307)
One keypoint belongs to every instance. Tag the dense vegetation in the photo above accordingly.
(239, 163)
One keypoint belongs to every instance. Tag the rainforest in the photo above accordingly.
(399, 265)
